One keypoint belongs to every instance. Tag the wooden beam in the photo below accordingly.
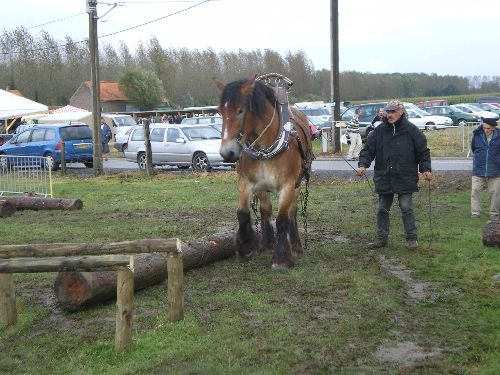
(124, 309)
(72, 249)
(8, 313)
(64, 264)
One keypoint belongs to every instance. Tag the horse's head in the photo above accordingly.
(242, 103)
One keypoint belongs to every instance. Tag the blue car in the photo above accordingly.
(46, 140)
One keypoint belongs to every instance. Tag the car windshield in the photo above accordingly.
(456, 109)
(70, 133)
(124, 121)
(314, 111)
(201, 132)
(421, 112)
(474, 108)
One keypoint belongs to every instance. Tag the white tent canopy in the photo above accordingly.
(54, 118)
(12, 106)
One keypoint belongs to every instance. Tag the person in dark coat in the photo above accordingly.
(400, 151)
(485, 146)
(106, 136)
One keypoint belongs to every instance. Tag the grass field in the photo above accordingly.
(342, 309)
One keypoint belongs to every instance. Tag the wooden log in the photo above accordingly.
(73, 249)
(24, 202)
(124, 309)
(491, 233)
(64, 264)
(6, 208)
(8, 313)
(77, 290)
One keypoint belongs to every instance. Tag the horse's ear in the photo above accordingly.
(248, 86)
(219, 84)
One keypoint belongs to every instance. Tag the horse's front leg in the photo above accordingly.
(265, 215)
(282, 256)
(246, 239)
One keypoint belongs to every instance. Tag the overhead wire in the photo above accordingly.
(106, 35)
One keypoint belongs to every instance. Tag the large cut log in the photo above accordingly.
(6, 208)
(77, 290)
(491, 233)
(23, 202)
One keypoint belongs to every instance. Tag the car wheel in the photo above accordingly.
(201, 163)
(461, 123)
(430, 126)
(89, 164)
(50, 162)
(142, 161)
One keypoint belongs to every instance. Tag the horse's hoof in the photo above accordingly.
(244, 257)
(281, 266)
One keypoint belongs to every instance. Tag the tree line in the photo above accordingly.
(49, 71)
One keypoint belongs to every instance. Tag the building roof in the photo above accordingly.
(109, 91)
(68, 108)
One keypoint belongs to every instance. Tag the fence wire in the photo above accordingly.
(25, 175)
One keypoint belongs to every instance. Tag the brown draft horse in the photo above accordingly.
(274, 153)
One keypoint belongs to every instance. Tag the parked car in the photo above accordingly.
(184, 146)
(201, 120)
(425, 105)
(321, 113)
(426, 121)
(488, 107)
(475, 110)
(459, 118)
(4, 138)
(119, 123)
(46, 140)
(121, 140)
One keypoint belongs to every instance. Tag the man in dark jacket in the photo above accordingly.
(400, 151)
(485, 146)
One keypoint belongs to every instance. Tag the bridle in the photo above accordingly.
(281, 142)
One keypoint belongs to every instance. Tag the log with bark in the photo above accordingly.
(6, 208)
(77, 290)
(24, 202)
(491, 233)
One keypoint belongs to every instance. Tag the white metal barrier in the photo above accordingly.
(25, 174)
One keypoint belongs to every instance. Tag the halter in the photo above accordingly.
(281, 85)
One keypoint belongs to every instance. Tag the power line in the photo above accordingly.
(60, 19)
(110, 34)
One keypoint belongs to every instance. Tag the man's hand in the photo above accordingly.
(361, 171)
(427, 176)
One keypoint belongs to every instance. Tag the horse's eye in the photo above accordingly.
(240, 111)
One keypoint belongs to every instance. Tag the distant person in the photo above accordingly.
(400, 151)
(164, 119)
(379, 118)
(352, 128)
(485, 146)
(106, 136)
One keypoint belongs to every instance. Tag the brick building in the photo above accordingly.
(112, 99)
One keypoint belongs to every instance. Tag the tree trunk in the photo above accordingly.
(76, 290)
(491, 233)
(37, 203)
(6, 208)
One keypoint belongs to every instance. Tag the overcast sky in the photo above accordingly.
(453, 37)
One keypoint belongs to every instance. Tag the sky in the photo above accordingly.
(445, 37)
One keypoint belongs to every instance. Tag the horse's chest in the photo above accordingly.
(265, 179)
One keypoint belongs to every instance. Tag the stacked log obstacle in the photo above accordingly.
(77, 290)
(89, 257)
(6, 208)
(25, 202)
(491, 233)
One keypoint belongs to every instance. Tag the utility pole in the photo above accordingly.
(334, 74)
(94, 75)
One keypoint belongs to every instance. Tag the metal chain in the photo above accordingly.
(257, 217)
(304, 196)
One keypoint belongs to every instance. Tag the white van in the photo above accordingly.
(119, 123)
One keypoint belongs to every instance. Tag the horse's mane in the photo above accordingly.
(256, 101)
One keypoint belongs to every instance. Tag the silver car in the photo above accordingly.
(184, 146)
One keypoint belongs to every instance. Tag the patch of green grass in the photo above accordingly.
(330, 314)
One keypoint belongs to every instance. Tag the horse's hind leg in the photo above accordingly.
(265, 214)
(282, 256)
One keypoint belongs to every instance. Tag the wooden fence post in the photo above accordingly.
(124, 307)
(175, 288)
(8, 313)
